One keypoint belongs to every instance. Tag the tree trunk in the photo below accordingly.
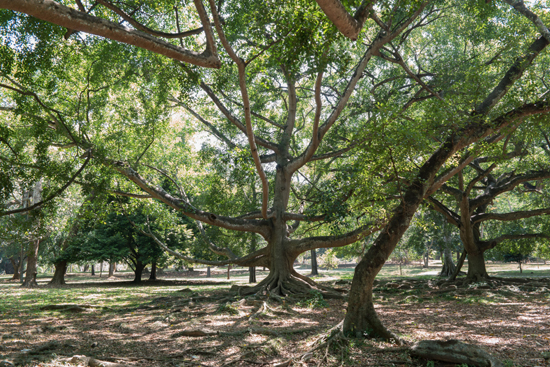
(153, 275)
(520, 269)
(208, 275)
(100, 269)
(16, 266)
(86, 268)
(459, 265)
(59, 274)
(252, 274)
(448, 265)
(138, 271)
(30, 277)
(112, 268)
(228, 271)
(476, 267)
(252, 269)
(314, 269)
(426, 260)
(93, 270)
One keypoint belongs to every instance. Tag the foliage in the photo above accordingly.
(315, 300)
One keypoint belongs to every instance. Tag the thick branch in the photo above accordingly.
(512, 75)
(306, 244)
(349, 26)
(242, 225)
(145, 29)
(508, 185)
(479, 178)
(246, 103)
(506, 217)
(248, 260)
(451, 216)
(489, 244)
(64, 16)
(522, 9)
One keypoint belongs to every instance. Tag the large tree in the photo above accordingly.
(474, 193)
(414, 92)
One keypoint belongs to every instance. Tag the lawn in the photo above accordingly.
(180, 320)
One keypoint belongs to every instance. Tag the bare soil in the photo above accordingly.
(509, 320)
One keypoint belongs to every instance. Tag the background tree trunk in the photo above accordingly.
(30, 276)
(59, 274)
(208, 274)
(314, 269)
(153, 275)
(448, 265)
(138, 271)
(93, 270)
(16, 267)
(252, 269)
(112, 269)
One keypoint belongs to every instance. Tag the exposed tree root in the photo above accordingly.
(291, 284)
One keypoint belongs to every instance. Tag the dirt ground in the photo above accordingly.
(181, 323)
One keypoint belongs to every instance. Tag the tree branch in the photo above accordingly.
(64, 16)
(347, 25)
(145, 29)
(506, 217)
(310, 243)
(54, 195)
(246, 103)
(512, 75)
(522, 9)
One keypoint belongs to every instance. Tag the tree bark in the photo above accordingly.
(153, 275)
(314, 270)
(30, 276)
(448, 265)
(16, 267)
(208, 274)
(59, 274)
(252, 269)
(476, 266)
(112, 268)
(138, 271)
(93, 269)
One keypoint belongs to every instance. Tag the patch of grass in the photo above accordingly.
(315, 300)
(227, 308)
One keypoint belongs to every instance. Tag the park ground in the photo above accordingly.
(186, 319)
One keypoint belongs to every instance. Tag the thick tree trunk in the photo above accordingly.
(314, 269)
(448, 265)
(153, 275)
(138, 271)
(208, 274)
(426, 260)
(476, 267)
(93, 270)
(30, 276)
(59, 274)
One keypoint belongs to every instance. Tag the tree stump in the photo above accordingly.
(453, 351)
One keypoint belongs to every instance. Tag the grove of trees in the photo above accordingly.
(265, 130)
